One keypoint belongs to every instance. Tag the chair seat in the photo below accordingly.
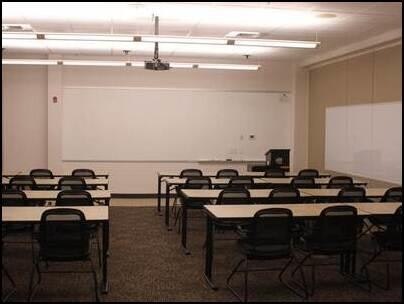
(310, 243)
(255, 252)
(391, 240)
(63, 253)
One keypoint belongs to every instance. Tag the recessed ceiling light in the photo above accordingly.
(326, 15)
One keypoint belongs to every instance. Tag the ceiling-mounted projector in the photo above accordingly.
(155, 64)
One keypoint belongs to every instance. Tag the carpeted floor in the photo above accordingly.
(147, 264)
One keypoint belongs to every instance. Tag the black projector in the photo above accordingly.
(156, 65)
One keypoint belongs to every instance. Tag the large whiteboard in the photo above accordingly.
(366, 140)
(148, 124)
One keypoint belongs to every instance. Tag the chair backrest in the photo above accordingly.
(303, 182)
(351, 194)
(241, 182)
(274, 172)
(191, 172)
(394, 194)
(88, 173)
(72, 183)
(340, 182)
(41, 173)
(336, 228)
(226, 173)
(64, 234)
(272, 226)
(74, 198)
(22, 182)
(198, 182)
(234, 196)
(309, 173)
(13, 198)
(284, 195)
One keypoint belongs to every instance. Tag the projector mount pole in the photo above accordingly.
(156, 32)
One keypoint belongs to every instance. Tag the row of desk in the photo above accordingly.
(99, 181)
(300, 211)
(259, 195)
(95, 214)
(259, 181)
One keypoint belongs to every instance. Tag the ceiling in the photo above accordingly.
(353, 22)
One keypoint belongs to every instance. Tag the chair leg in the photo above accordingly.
(246, 282)
(13, 290)
(96, 289)
(235, 269)
(32, 287)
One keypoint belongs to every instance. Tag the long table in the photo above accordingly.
(58, 174)
(301, 211)
(97, 214)
(259, 181)
(330, 193)
(161, 176)
(99, 181)
(51, 195)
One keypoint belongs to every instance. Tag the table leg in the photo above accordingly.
(167, 211)
(105, 248)
(209, 253)
(159, 194)
(184, 224)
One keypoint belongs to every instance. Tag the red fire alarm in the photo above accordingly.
(55, 99)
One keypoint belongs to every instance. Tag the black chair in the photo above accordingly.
(226, 173)
(72, 183)
(42, 173)
(386, 240)
(303, 182)
(284, 195)
(309, 173)
(85, 173)
(337, 182)
(351, 194)
(183, 174)
(274, 172)
(64, 237)
(269, 238)
(190, 173)
(394, 194)
(334, 234)
(232, 196)
(22, 182)
(195, 182)
(241, 182)
(71, 198)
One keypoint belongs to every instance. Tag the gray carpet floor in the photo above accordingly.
(147, 264)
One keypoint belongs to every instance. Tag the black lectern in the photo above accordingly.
(278, 158)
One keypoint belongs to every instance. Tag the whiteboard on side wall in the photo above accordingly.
(365, 140)
(149, 124)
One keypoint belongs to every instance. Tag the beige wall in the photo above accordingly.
(372, 77)
(24, 118)
(125, 177)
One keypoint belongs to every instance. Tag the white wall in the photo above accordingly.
(126, 177)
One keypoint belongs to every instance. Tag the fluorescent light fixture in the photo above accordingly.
(94, 38)
(215, 66)
(277, 43)
(29, 61)
(93, 63)
(68, 62)
(185, 39)
(17, 35)
(87, 37)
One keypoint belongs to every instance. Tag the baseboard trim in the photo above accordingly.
(139, 195)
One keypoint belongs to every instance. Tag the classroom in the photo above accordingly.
(202, 151)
